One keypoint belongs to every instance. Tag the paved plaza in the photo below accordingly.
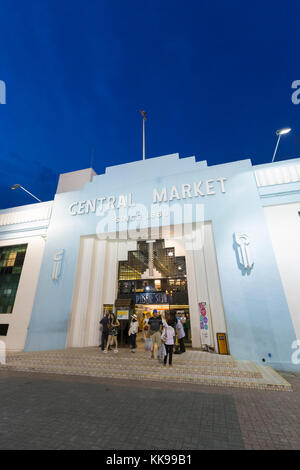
(42, 410)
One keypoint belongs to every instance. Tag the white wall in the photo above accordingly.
(75, 180)
(19, 319)
(284, 226)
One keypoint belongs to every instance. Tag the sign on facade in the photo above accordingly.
(122, 314)
(204, 323)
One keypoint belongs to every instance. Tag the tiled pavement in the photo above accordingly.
(192, 367)
(47, 411)
(56, 415)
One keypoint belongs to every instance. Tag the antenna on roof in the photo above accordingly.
(92, 156)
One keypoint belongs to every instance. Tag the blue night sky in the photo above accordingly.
(214, 76)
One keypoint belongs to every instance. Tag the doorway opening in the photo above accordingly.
(152, 278)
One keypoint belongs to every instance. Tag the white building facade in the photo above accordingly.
(219, 244)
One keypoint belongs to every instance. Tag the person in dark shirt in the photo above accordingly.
(104, 322)
(155, 324)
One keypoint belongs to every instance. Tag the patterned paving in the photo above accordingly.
(192, 367)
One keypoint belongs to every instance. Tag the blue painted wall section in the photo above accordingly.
(257, 315)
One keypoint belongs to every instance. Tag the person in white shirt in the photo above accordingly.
(168, 339)
(180, 335)
(133, 330)
(146, 326)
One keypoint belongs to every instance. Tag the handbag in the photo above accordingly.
(164, 336)
(161, 353)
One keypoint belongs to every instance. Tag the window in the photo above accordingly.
(11, 263)
(3, 330)
(170, 288)
(164, 261)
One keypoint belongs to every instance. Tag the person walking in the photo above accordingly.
(168, 339)
(145, 326)
(187, 327)
(104, 322)
(112, 332)
(133, 330)
(155, 324)
(180, 335)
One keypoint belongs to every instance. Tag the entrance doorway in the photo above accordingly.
(165, 272)
(154, 278)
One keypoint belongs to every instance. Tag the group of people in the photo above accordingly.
(161, 331)
(110, 329)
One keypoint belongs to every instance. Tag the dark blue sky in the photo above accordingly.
(214, 76)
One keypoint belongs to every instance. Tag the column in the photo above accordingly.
(95, 300)
(81, 294)
(213, 281)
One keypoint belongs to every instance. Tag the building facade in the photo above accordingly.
(217, 244)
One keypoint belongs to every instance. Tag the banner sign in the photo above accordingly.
(204, 323)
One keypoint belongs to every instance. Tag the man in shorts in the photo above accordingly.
(155, 324)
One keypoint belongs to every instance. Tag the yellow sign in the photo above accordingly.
(122, 314)
(107, 308)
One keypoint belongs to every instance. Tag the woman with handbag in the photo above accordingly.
(146, 326)
(113, 329)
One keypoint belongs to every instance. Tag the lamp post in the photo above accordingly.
(15, 186)
(143, 113)
(279, 133)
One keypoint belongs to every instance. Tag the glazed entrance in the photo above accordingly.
(152, 278)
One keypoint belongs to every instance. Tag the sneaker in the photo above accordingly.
(116, 351)
(105, 351)
(133, 350)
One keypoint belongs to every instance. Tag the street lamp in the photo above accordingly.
(15, 186)
(143, 113)
(280, 132)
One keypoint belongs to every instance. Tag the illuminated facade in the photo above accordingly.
(219, 244)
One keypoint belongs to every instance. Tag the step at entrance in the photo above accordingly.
(195, 367)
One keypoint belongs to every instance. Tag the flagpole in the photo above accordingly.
(143, 113)
(143, 138)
